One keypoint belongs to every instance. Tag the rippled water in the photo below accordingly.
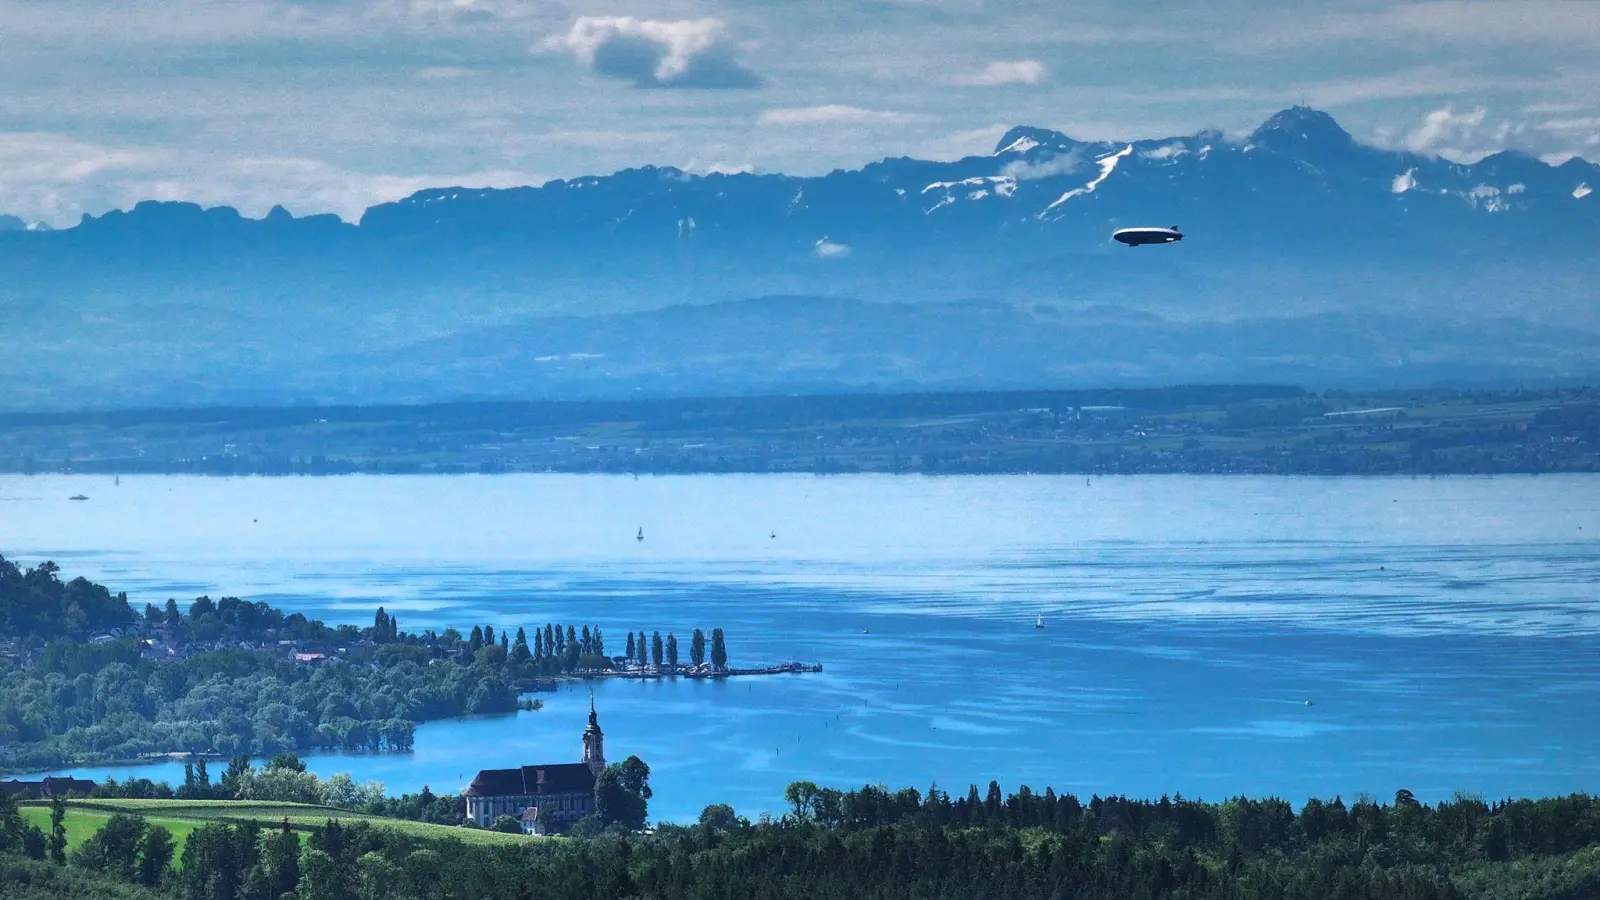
(1445, 629)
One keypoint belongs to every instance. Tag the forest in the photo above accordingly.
(221, 678)
(876, 843)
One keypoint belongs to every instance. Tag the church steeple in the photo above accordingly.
(594, 753)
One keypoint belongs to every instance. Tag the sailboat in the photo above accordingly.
(116, 480)
(640, 536)
(1038, 622)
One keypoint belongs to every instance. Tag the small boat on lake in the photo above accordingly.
(77, 497)
(640, 536)
(1039, 622)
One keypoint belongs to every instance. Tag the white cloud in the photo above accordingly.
(1060, 164)
(688, 53)
(1466, 136)
(695, 167)
(1166, 151)
(58, 178)
(1022, 71)
(826, 249)
(1444, 128)
(833, 114)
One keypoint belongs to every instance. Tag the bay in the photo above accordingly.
(1444, 630)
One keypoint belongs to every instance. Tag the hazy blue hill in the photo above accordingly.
(806, 344)
(1298, 219)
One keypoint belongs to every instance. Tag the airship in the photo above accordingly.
(1133, 237)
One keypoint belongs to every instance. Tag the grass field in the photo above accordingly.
(82, 823)
(85, 817)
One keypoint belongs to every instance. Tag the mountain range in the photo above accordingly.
(1308, 257)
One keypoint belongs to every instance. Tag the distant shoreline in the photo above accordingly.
(1196, 430)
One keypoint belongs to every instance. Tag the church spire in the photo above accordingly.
(594, 754)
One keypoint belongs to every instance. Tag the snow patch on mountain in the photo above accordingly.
(979, 187)
(1020, 145)
(1108, 164)
(976, 181)
(1490, 195)
(1581, 191)
(1403, 182)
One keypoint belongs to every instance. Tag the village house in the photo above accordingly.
(544, 799)
(46, 789)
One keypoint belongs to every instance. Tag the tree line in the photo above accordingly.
(877, 843)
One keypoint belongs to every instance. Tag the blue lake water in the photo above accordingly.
(1446, 630)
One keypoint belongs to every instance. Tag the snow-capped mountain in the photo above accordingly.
(1298, 218)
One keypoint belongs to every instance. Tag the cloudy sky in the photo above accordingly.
(332, 105)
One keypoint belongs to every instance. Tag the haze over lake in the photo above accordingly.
(1444, 629)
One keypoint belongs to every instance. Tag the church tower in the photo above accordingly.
(594, 750)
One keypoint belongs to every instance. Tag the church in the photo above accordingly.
(545, 799)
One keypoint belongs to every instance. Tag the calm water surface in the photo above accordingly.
(1446, 631)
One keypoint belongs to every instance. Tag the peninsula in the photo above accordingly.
(84, 678)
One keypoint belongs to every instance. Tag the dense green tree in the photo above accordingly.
(697, 649)
(114, 848)
(622, 793)
(488, 634)
(656, 648)
(237, 767)
(519, 649)
(276, 871)
(632, 653)
(324, 877)
(475, 643)
(506, 824)
(212, 867)
(719, 649)
(155, 855)
(58, 831)
(718, 817)
(672, 651)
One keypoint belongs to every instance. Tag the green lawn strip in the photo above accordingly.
(83, 823)
(191, 814)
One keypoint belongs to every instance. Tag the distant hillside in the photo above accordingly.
(1295, 228)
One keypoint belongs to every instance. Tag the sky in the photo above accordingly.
(335, 105)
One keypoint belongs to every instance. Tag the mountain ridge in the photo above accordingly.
(1295, 220)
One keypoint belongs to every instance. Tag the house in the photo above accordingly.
(309, 657)
(47, 788)
(545, 799)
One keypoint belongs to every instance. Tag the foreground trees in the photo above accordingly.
(887, 844)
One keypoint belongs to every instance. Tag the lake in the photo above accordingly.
(1444, 630)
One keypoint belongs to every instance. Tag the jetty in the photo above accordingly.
(702, 671)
